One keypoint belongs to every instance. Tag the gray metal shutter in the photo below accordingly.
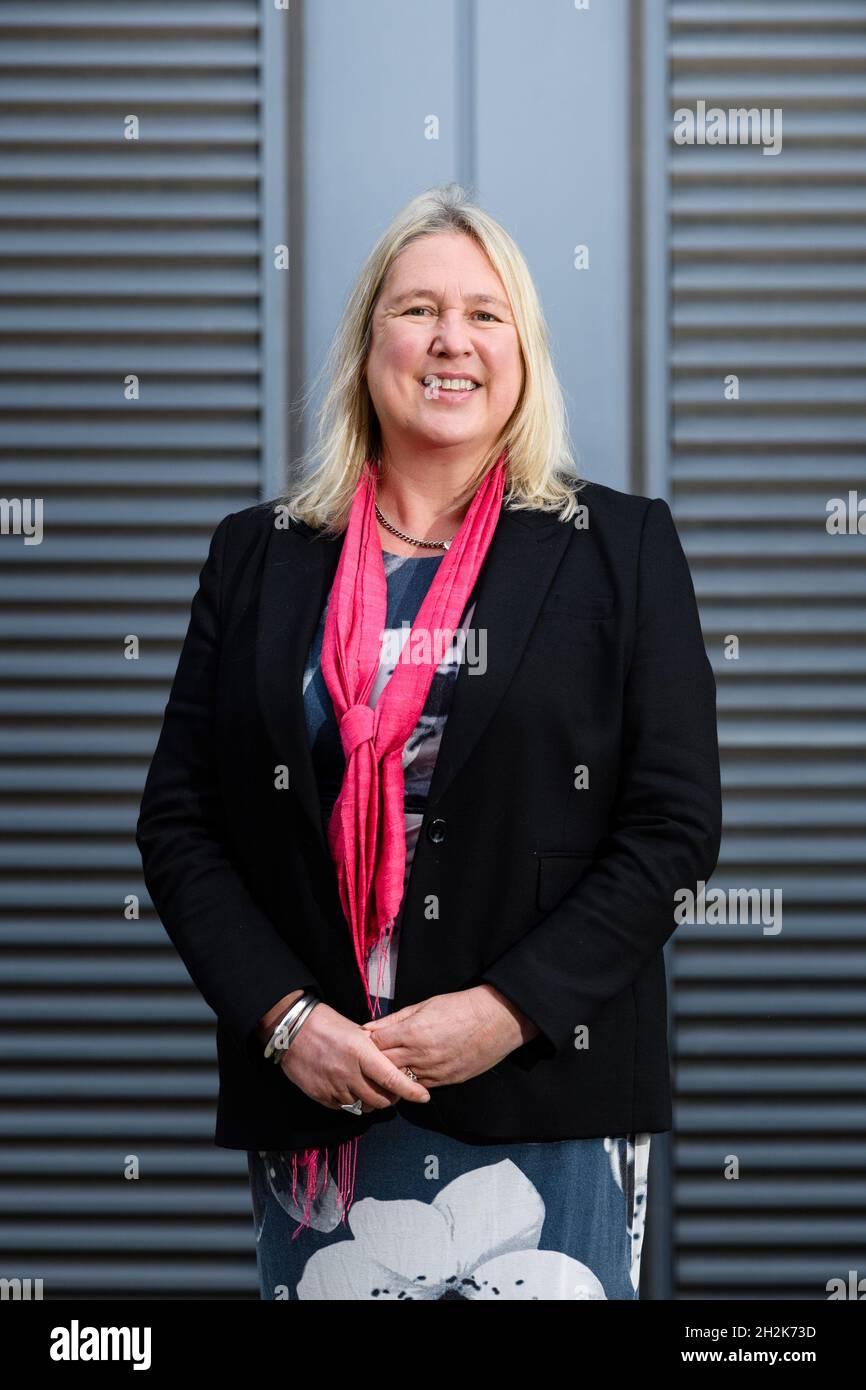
(122, 257)
(766, 262)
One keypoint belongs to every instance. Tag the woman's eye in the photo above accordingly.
(423, 308)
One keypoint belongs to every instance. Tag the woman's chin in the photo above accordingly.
(446, 432)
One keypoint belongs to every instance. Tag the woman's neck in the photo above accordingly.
(421, 506)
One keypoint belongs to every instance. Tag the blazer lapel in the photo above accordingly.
(300, 564)
(518, 569)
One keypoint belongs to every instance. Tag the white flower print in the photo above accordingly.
(630, 1169)
(445, 1249)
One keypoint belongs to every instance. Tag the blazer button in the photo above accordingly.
(436, 831)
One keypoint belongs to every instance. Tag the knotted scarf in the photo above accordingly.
(366, 831)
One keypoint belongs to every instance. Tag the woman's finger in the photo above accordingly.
(376, 1067)
(400, 1056)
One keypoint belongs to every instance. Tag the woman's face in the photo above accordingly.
(443, 312)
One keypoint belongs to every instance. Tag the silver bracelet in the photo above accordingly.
(299, 1022)
(276, 1043)
(296, 1027)
(293, 1020)
(290, 1015)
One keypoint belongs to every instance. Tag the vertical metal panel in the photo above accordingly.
(553, 165)
(767, 282)
(375, 73)
(532, 118)
(120, 257)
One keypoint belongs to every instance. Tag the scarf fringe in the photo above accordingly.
(316, 1162)
(384, 945)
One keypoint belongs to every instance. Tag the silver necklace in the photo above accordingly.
(429, 545)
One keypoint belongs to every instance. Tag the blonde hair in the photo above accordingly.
(540, 470)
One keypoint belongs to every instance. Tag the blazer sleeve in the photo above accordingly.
(234, 954)
(665, 829)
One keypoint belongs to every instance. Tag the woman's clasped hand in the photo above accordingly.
(446, 1039)
(450, 1038)
(334, 1062)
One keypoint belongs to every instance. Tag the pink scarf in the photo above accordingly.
(367, 830)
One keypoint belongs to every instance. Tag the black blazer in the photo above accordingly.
(560, 895)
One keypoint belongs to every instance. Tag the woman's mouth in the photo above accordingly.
(449, 389)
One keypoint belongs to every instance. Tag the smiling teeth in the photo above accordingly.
(444, 384)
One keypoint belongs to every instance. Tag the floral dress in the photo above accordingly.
(432, 1216)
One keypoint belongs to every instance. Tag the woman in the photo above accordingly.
(424, 880)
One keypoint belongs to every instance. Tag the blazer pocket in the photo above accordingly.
(558, 871)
